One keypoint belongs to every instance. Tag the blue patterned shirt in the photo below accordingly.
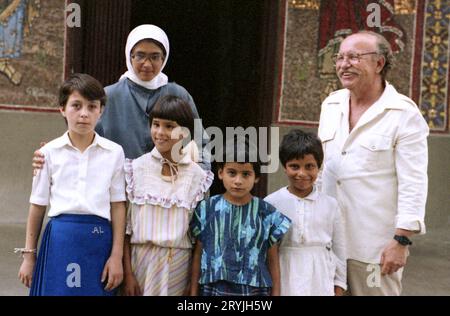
(236, 239)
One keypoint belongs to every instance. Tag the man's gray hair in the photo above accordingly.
(385, 50)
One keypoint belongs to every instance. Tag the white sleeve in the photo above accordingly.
(40, 190)
(339, 250)
(411, 162)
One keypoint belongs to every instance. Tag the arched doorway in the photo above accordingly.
(223, 52)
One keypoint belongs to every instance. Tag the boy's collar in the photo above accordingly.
(231, 203)
(64, 140)
(102, 142)
(312, 196)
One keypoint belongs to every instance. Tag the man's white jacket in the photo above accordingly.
(378, 171)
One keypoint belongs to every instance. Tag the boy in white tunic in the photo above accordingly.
(312, 253)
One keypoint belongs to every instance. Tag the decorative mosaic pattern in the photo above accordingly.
(405, 7)
(422, 61)
(313, 36)
(433, 100)
(305, 4)
(31, 53)
(400, 6)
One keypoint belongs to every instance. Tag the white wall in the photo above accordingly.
(21, 133)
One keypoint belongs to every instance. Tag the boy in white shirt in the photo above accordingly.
(312, 253)
(83, 181)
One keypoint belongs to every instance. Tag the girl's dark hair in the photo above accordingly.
(151, 40)
(239, 150)
(175, 109)
(296, 144)
(89, 87)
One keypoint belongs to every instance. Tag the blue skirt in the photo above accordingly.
(73, 253)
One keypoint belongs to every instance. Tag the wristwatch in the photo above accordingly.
(403, 240)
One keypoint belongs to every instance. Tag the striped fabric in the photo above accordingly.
(160, 211)
(158, 221)
(163, 227)
(161, 271)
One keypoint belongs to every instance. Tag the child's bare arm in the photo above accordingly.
(34, 224)
(118, 227)
(127, 256)
(130, 286)
(113, 270)
(274, 269)
(196, 261)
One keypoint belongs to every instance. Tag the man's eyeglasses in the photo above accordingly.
(142, 57)
(352, 58)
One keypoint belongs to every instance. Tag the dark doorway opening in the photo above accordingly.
(223, 52)
(215, 54)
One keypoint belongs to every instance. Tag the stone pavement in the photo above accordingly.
(427, 272)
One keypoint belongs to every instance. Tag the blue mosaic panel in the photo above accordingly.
(433, 100)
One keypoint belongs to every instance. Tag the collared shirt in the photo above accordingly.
(378, 171)
(80, 183)
(316, 222)
(236, 239)
(160, 209)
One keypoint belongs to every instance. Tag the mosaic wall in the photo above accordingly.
(315, 28)
(430, 73)
(31, 52)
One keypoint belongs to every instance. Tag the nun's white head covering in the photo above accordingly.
(146, 31)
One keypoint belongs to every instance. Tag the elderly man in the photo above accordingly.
(375, 144)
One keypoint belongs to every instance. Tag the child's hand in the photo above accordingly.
(113, 272)
(338, 291)
(26, 269)
(131, 286)
(38, 160)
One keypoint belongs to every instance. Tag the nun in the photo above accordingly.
(130, 100)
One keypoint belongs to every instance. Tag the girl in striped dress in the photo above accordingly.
(163, 188)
